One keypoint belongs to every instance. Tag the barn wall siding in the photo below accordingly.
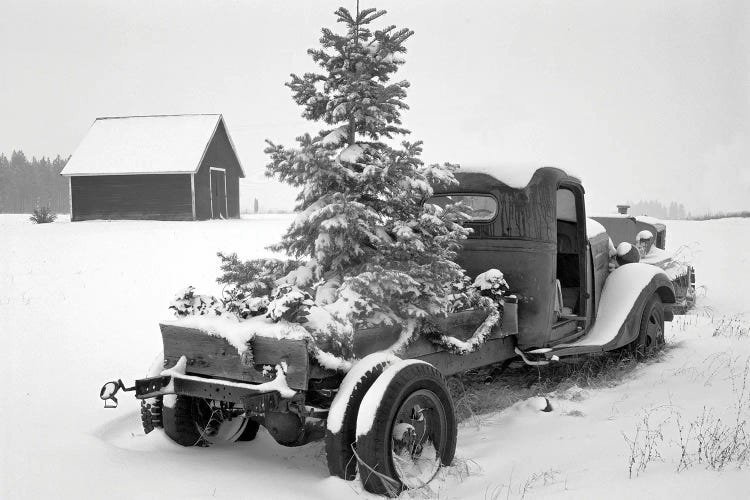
(154, 197)
(219, 155)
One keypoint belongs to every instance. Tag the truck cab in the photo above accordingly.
(532, 225)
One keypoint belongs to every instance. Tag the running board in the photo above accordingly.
(585, 344)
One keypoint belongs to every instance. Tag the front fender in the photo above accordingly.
(628, 329)
(620, 308)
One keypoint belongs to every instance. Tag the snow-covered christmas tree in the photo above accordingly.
(381, 254)
(367, 250)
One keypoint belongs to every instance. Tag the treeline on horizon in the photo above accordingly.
(29, 184)
(721, 215)
(676, 211)
(654, 208)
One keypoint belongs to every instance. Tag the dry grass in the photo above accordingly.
(707, 440)
(491, 389)
(734, 327)
(645, 443)
(519, 490)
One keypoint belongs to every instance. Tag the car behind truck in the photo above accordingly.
(622, 227)
(390, 417)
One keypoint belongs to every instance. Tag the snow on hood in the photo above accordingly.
(667, 261)
(593, 228)
(613, 216)
(649, 220)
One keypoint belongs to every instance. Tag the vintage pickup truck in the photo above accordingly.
(390, 416)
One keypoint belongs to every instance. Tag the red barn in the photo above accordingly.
(165, 167)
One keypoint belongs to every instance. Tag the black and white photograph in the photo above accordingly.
(479, 250)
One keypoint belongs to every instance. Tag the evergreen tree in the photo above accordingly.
(26, 185)
(374, 251)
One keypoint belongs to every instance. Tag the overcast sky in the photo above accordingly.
(643, 99)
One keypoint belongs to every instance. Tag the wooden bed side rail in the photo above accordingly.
(214, 356)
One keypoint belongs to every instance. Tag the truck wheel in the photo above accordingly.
(192, 422)
(341, 427)
(406, 429)
(690, 296)
(651, 332)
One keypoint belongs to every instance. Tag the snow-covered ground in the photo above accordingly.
(80, 303)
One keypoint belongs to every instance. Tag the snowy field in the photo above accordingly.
(80, 304)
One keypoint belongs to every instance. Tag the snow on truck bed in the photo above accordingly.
(80, 304)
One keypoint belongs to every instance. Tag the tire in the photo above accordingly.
(690, 297)
(651, 330)
(192, 422)
(407, 418)
(341, 440)
(151, 408)
(151, 413)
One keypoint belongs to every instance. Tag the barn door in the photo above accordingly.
(218, 193)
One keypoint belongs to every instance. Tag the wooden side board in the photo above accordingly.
(493, 351)
(216, 357)
(461, 325)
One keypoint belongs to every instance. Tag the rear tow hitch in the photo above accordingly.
(108, 391)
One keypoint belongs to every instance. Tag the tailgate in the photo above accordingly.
(212, 356)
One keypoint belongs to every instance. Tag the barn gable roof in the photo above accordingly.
(158, 144)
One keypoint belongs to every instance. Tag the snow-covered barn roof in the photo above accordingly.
(158, 144)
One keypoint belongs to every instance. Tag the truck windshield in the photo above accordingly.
(477, 207)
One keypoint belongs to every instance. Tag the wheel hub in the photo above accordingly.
(217, 423)
(417, 437)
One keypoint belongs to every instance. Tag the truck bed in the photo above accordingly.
(213, 356)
